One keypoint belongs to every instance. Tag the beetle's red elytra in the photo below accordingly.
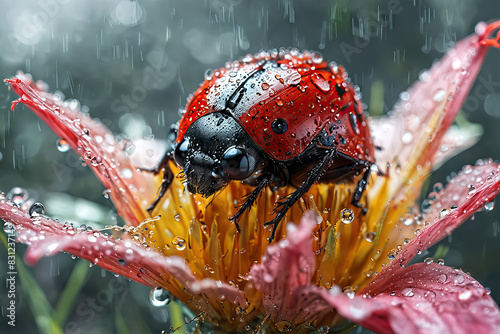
(272, 119)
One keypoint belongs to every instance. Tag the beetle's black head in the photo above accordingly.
(215, 150)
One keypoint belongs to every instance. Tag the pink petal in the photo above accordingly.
(108, 158)
(435, 99)
(47, 237)
(422, 299)
(285, 270)
(469, 191)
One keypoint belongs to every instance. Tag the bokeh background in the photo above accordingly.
(132, 64)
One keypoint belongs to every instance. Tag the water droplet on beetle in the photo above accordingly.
(319, 81)
(62, 145)
(36, 210)
(159, 297)
(347, 216)
(179, 243)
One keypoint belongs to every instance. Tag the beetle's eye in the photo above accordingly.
(181, 152)
(238, 164)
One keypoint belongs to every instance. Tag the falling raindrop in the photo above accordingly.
(37, 209)
(159, 297)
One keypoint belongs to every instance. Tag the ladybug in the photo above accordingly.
(272, 119)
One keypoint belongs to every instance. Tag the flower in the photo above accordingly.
(336, 263)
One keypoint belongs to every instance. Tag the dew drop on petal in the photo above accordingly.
(428, 260)
(407, 219)
(392, 254)
(17, 195)
(443, 213)
(349, 292)
(347, 216)
(467, 169)
(62, 145)
(458, 279)
(439, 95)
(407, 137)
(440, 262)
(408, 292)
(369, 236)
(177, 217)
(122, 262)
(472, 190)
(179, 243)
(126, 173)
(36, 210)
(489, 206)
(159, 297)
(465, 294)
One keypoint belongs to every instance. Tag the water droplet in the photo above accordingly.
(265, 86)
(458, 279)
(127, 173)
(349, 292)
(347, 216)
(440, 262)
(407, 137)
(465, 294)
(443, 213)
(317, 57)
(467, 169)
(17, 195)
(62, 145)
(407, 219)
(489, 206)
(439, 95)
(179, 243)
(122, 262)
(36, 210)
(159, 297)
(392, 254)
(472, 190)
(319, 81)
(408, 292)
(428, 260)
(177, 217)
(369, 236)
(209, 74)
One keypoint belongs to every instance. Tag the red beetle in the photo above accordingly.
(272, 119)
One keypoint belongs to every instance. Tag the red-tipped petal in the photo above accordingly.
(126, 257)
(285, 270)
(413, 133)
(422, 299)
(130, 190)
(469, 192)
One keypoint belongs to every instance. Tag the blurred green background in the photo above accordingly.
(132, 64)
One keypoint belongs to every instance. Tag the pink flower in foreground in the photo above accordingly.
(335, 264)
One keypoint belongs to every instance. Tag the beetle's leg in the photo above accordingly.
(360, 189)
(264, 181)
(312, 177)
(165, 182)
